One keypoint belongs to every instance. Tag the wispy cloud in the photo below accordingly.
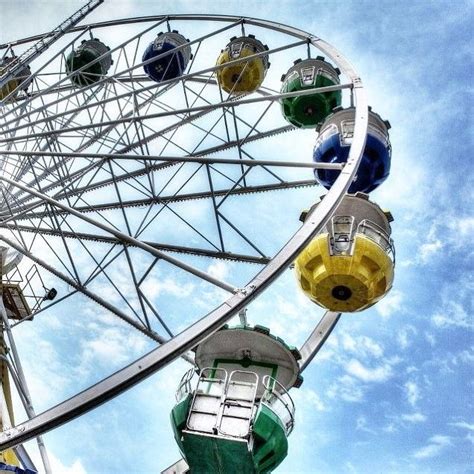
(154, 287)
(363, 346)
(390, 428)
(435, 445)
(428, 250)
(362, 425)
(391, 304)
(463, 424)
(412, 392)
(380, 373)
(403, 337)
(112, 344)
(45, 372)
(452, 315)
(346, 388)
(307, 398)
(414, 417)
(75, 468)
(431, 338)
(450, 362)
(219, 270)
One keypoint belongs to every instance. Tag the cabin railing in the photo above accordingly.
(277, 398)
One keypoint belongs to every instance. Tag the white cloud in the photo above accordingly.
(403, 336)
(428, 250)
(463, 226)
(448, 234)
(435, 445)
(390, 304)
(412, 392)
(430, 338)
(219, 270)
(56, 465)
(366, 374)
(452, 315)
(361, 345)
(44, 370)
(350, 467)
(346, 388)
(75, 468)
(308, 398)
(390, 428)
(110, 347)
(154, 287)
(467, 356)
(463, 425)
(414, 417)
(314, 401)
(448, 362)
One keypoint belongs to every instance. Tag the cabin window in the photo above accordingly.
(342, 233)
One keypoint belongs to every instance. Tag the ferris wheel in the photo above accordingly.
(140, 151)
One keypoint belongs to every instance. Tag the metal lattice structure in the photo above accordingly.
(112, 186)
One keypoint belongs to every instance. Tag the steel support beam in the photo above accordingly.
(159, 246)
(317, 338)
(164, 200)
(183, 159)
(197, 108)
(124, 238)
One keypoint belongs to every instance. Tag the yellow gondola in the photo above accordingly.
(245, 76)
(349, 265)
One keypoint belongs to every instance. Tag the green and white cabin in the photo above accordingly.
(239, 416)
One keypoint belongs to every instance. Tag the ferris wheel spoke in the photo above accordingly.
(199, 108)
(94, 296)
(150, 218)
(214, 205)
(101, 266)
(100, 270)
(229, 145)
(139, 142)
(162, 199)
(318, 337)
(128, 239)
(66, 156)
(202, 252)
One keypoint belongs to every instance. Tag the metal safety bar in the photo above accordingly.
(378, 235)
(185, 385)
(277, 398)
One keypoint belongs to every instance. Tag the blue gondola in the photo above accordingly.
(333, 143)
(169, 66)
(9, 469)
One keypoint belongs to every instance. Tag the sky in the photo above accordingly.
(392, 389)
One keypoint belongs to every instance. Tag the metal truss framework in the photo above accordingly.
(105, 186)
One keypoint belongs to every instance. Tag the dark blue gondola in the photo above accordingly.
(172, 65)
(333, 144)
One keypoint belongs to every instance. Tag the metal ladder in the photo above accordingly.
(238, 406)
(207, 401)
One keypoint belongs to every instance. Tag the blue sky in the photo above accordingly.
(392, 390)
